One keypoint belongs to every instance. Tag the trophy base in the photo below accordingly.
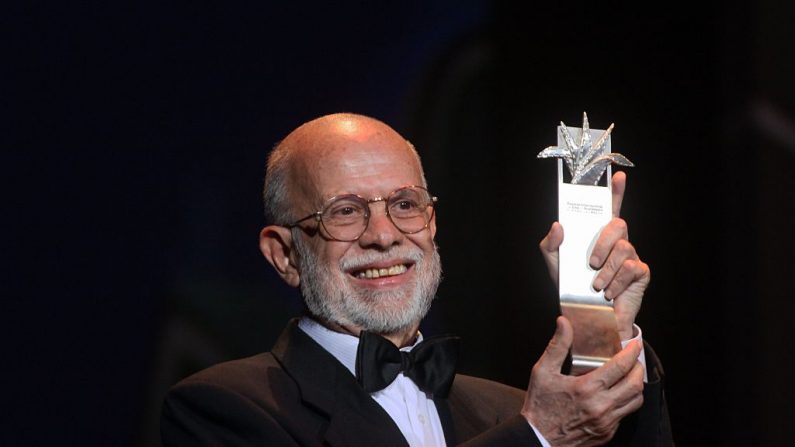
(596, 337)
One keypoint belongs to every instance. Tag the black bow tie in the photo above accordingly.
(431, 364)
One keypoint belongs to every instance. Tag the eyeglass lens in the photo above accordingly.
(346, 217)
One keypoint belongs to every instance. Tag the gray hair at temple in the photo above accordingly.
(276, 193)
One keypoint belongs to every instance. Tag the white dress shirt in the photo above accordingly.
(412, 410)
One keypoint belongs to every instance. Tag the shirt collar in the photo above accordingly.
(342, 346)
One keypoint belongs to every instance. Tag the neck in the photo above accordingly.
(401, 338)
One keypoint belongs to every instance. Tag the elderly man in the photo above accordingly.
(353, 227)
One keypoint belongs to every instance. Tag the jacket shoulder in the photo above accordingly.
(484, 412)
(488, 393)
(250, 401)
(236, 375)
(483, 401)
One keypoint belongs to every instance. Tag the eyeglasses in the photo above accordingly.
(345, 217)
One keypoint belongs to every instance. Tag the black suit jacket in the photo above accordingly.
(300, 395)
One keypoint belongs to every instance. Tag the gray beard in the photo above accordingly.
(331, 296)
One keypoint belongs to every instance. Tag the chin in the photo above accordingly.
(387, 312)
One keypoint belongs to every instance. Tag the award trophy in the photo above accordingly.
(584, 208)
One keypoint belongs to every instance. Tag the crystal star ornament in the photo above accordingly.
(586, 161)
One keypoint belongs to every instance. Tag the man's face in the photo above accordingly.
(370, 161)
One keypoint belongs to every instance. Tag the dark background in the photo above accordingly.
(135, 137)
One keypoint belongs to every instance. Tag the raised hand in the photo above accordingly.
(624, 277)
(582, 410)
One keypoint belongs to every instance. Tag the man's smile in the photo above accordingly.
(369, 273)
(383, 271)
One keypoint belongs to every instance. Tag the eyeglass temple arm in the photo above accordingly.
(316, 215)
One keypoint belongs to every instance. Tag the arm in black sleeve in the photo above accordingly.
(650, 426)
(199, 414)
(513, 432)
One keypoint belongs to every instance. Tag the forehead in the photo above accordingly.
(365, 161)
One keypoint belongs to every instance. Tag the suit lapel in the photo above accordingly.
(327, 387)
(446, 418)
(460, 420)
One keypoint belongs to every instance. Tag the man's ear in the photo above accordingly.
(276, 244)
(432, 226)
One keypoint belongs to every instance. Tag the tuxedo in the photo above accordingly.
(298, 394)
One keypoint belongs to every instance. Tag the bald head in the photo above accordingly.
(322, 147)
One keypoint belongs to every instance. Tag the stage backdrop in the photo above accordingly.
(137, 135)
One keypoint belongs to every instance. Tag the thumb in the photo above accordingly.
(619, 187)
(558, 347)
(552, 240)
(549, 249)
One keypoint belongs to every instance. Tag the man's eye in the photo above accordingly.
(404, 208)
(344, 211)
(406, 205)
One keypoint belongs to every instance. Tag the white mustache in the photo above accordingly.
(360, 261)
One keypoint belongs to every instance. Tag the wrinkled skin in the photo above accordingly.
(586, 410)
(344, 153)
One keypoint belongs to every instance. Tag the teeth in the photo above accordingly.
(378, 273)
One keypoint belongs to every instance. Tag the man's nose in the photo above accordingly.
(380, 233)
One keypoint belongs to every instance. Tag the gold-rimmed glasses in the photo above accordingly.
(345, 217)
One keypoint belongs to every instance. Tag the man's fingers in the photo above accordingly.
(622, 252)
(619, 186)
(631, 270)
(613, 232)
(629, 386)
(607, 405)
(619, 366)
(631, 407)
(558, 347)
(628, 393)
